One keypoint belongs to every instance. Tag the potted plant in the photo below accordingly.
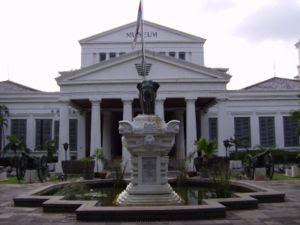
(235, 164)
(85, 166)
(99, 155)
(4, 112)
(15, 144)
(208, 147)
(88, 168)
(50, 146)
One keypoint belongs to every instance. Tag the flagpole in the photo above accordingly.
(143, 42)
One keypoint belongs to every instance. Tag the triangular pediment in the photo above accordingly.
(275, 83)
(10, 87)
(152, 33)
(123, 69)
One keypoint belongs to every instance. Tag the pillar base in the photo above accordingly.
(157, 197)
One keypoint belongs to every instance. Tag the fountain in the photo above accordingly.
(148, 139)
(150, 197)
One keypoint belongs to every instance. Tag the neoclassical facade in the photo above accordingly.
(93, 99)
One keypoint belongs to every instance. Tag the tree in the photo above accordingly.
(15, 144)
(4, 112)
(295, 115)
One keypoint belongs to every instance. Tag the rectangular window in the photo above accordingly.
(18, 128)
(172, 54)
(1, 137)
(291, 138)
(267, 131)
(213, 128)
(102, 56)
(43, 133)
(181, 55)
(112, 55)
(242, 131)
(122, 53)
(56, 134)
(162, 53)
(73, 128)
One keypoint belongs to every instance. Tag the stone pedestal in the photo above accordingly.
(3, 175)
(31, 176)
(149, 139)
(260, 174)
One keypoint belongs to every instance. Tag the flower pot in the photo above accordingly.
(101, 175)
(192, 173)
(77, 167)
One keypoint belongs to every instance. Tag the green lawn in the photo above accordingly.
(10, 180)
(281, 176)
(13, 180)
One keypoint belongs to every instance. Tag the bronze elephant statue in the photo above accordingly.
(147, 95)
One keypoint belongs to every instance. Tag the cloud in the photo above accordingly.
(218, 5)
(279, 21)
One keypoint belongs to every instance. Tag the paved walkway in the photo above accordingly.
(287, 213)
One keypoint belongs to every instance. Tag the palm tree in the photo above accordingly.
(295, 115)
(3, 124)
(15, 144)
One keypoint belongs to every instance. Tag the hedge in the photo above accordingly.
(279, 156)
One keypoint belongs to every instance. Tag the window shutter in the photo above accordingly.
(213, 128)
(267, 131)
(242, 129)
(18, 128)
(291, 138)
(56, 134)
(73, 134)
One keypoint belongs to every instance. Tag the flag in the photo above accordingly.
(138, 24)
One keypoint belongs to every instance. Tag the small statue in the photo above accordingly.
(147, 95)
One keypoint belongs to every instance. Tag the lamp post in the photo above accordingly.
(66, 146)
(226, 145)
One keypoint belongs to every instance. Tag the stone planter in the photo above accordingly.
(235, 166)
(3, 175)
(101, 175)
(77, 167)
(292, 171)
(192, 173)
(51, 167)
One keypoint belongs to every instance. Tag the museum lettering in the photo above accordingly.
(147, 34)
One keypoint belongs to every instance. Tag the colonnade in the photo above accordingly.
(184, 143)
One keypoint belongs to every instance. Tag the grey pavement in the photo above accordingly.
(287, 213)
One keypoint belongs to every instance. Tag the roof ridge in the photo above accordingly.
(101, 34)
(20, 85)
(138, 52)
(267, 80)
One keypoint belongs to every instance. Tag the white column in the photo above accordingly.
(298, 47)
(107, 134)
(81, 135)
(159, 108)
(30, 133)
(127, 115)
(176, 55)
(279, 136)
(63, 134)
(180, 145)
(254, 131)
(191, 129)
(95, 126)
(222, 126)
(204, 125)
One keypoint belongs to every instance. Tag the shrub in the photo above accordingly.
(279, 156)
(73, 190)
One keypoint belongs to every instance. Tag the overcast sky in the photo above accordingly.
(255, 39)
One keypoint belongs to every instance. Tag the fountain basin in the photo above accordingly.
(90, 211)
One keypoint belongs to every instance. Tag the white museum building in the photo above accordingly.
(93, 99)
